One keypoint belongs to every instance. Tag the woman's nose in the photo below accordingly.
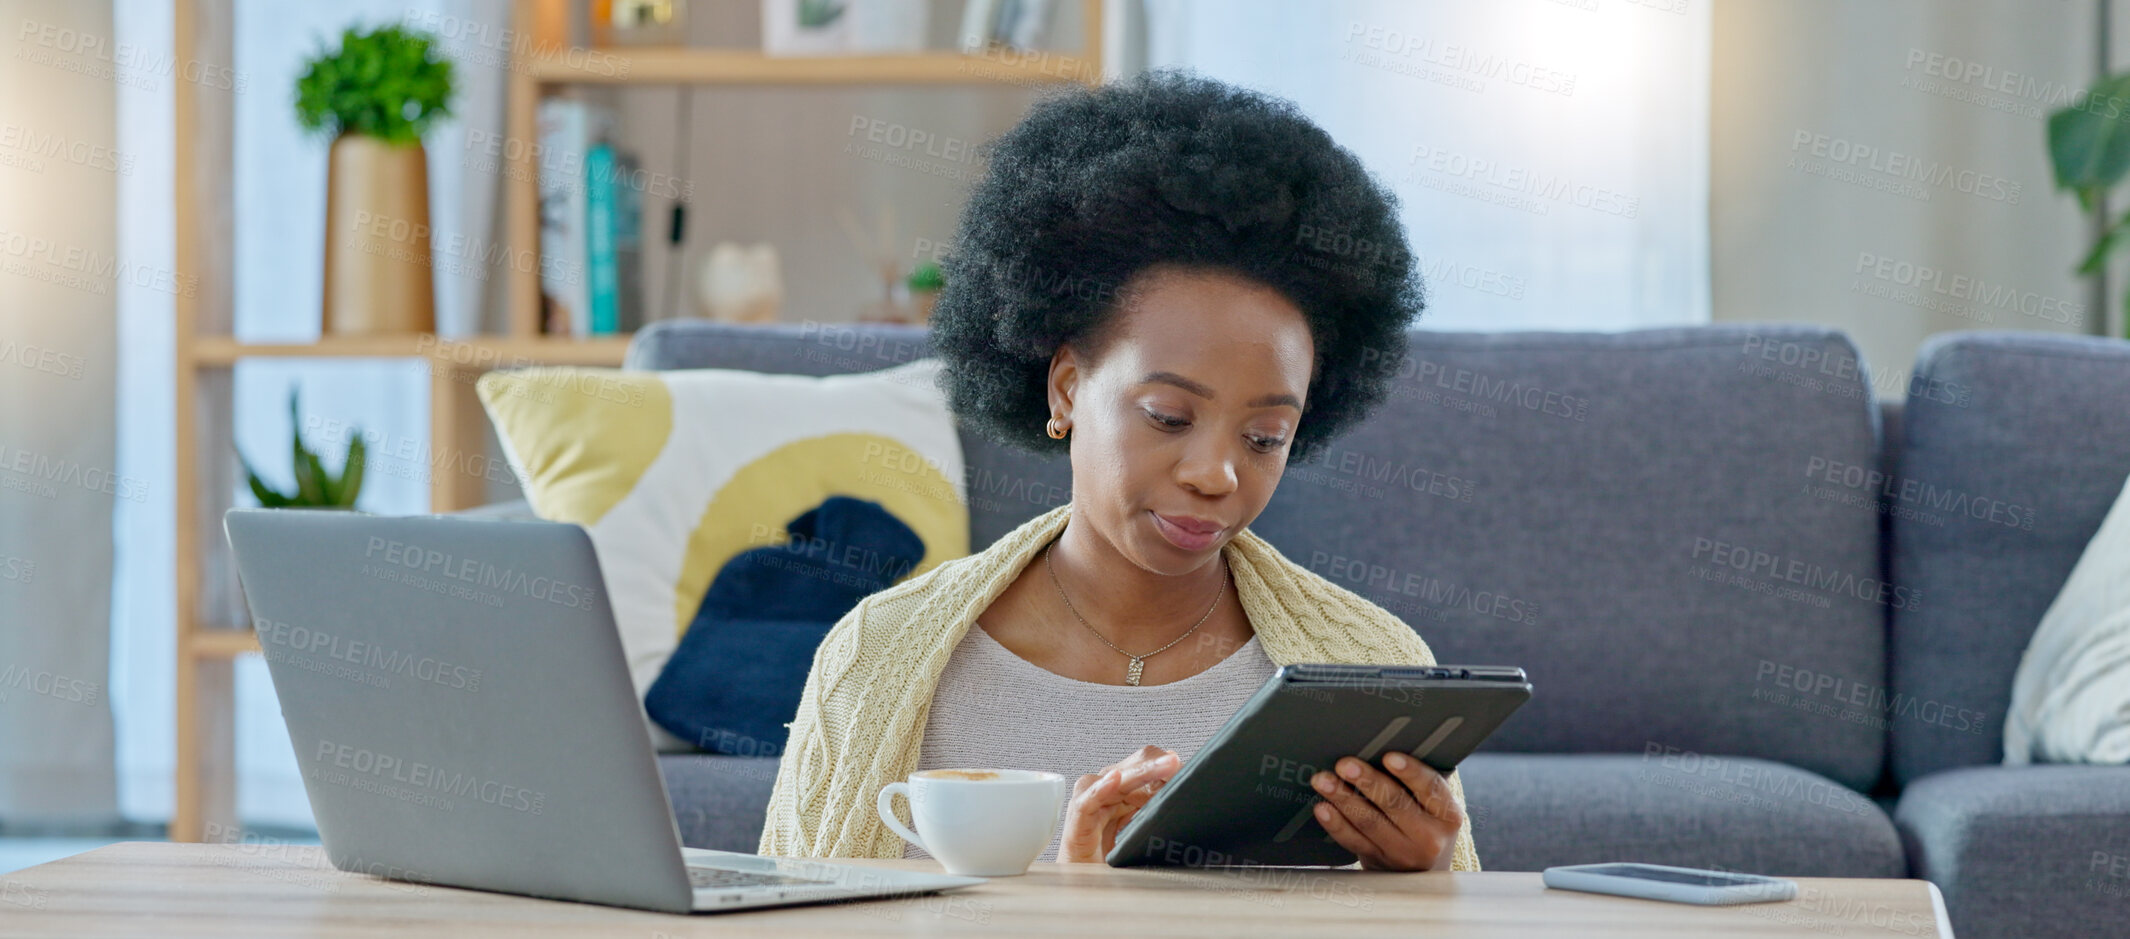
(1211, 473)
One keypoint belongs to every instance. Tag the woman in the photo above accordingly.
(1184, 286)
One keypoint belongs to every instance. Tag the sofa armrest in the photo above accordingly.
(2023, 851)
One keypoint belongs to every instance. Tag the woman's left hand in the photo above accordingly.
(1402, 820)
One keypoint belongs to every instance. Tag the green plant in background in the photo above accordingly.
(2089, 152)
(926, 276)
(315, 488)
(388, 83)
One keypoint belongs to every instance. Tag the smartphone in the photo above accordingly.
(1674, 884)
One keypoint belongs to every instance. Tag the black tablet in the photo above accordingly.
(1245, 800)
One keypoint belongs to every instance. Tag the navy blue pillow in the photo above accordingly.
(735, 680)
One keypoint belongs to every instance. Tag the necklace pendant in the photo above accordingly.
(1131, 675)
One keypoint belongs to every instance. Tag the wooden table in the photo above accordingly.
(163, 889)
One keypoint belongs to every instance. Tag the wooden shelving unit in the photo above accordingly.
(211, 632)
(744, 67)
(457, 354)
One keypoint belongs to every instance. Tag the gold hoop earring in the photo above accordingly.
(1052, 428)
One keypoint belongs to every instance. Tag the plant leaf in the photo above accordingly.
(310, 481)
(351, 471)
(296, 450)
(390, 83)
(2089, 142)
(2098, 257)
(267, 497)
(328, 486)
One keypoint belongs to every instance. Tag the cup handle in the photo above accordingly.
(887, 813)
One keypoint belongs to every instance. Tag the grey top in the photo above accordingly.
(996, 710)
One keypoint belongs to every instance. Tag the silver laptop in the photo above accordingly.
(463, 715)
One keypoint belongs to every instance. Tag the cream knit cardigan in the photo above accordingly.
(862, 716)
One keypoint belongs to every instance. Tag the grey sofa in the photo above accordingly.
(1771, 618)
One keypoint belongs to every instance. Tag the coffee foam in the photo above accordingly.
(965, 775)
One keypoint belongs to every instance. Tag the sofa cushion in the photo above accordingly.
(675, 473)
(1528, 812)
(1533, 811)
(1582, 505)
(2007, 480)
(1005, 486)
(2071, 695)
(735, 680)
(2030, 851)
(719, 802)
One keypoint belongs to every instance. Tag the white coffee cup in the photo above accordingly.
(979, 822)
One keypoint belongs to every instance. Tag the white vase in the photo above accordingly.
(740, 284)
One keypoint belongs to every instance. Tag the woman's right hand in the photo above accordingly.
(1103, 802)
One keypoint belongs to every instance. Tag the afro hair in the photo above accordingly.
(1096, 185)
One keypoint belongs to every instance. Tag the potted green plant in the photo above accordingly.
(2089, 153)
(375, 96)
(924, 283)
(315, 488)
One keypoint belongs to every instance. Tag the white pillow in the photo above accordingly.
(2071, 696)
(673, 473)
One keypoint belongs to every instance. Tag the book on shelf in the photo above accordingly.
(628, 243)
(1014, 24)
(565, 135)
(600, 181)
(591, 210)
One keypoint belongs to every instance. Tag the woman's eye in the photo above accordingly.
(1259, 443)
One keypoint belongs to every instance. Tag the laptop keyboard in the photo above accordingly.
(720, 877)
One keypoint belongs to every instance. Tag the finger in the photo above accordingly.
(1112, 800)
(1135, 772)
(1084, 829)
(1131, 782)
(1151, 756)
(1151, 752)
(1144, 794)
(1410, 840)
(1115, 816)
(1360, 812)
(1145, 755)
(1087, 815)
(1124, 815)
(1433, 789)
(1348, 837)
(1134, 798)
(1107, 789)
(1162, 764)
(1389, 793)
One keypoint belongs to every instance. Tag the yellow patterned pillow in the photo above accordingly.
(672, 473)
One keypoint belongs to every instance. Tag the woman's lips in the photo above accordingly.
(1183, 534)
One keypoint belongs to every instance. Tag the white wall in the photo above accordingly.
(1551, 155)
(1858, 144)
(60, 169)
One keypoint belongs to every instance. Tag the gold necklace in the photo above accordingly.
(1131, 673)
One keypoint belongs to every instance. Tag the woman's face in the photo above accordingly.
(1181, 423)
